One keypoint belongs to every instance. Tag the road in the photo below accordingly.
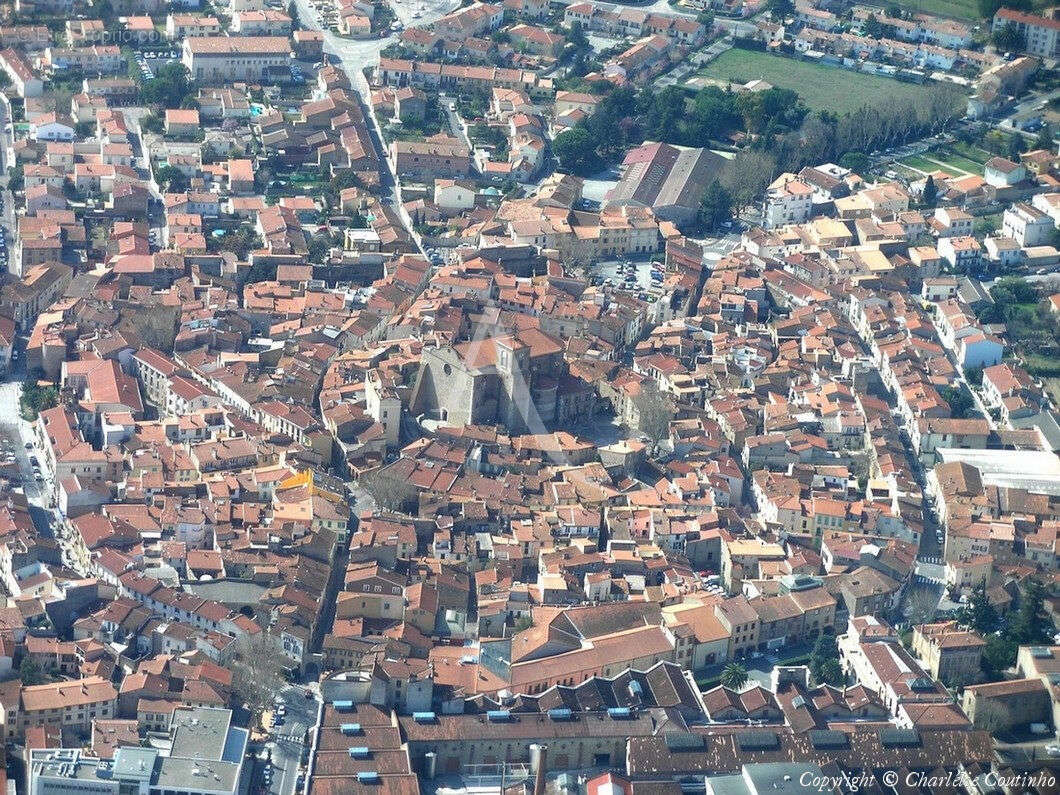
(286, 746)
(355, 55)
(7, 201)
(20, 433)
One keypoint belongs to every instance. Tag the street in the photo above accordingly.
(287, 749)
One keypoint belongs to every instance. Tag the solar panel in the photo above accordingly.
(892, 737)
(758, 741)
(684, 741)
(823, 739)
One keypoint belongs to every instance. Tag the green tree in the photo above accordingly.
(37, 398)
(978, 613)
(831, 673)
(734, 676)
(576, 151)
(931, 192)
(169, 88)
(715, 207)
(857, 162)
(1009, 38)
(779, 9)
(999, 654)
(1045, 138)
(824, 649)
(1031, 624)
(30, 672)
(171, 179)
(962, 405)
(873, 27)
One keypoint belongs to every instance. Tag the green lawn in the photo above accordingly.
(961, 9)
(821, 87)
(921, 164)
(957, 161)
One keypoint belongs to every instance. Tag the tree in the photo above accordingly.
(962, 405)
(30, 672)
(257, 668)
(824, 650)
(873, 27)
(747, 176)
(1045, 138)
(152, 123)
(523, 623)
(779, 9)
(37, 398)
(734, 676)
(1009, 38)
(169, 88)
(831, 673)
(576, 151)
(706, 19)
(1031, 624)
(999, 655)
(931, 192)
(388, 490)
(654, 412)
(921, 603)
(171, 179)
(715, 207)
(857, 162)
(978, 614)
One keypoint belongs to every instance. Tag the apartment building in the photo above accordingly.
(1040, 34)
(224, 59)
(59, 705)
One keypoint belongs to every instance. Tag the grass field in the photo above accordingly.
(821, 87)
(961, 9)
(922, 164)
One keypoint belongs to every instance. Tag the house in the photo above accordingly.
(181, 122)
(999, 172)
(52, 127)
(22, 76)
(1027, 225)
(949, 653)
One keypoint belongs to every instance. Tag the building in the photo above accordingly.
(670, 180)
(439, 156)
(70, 704)
(203, 754)
(1027, 225)
(789, 200)
(515, 380)
(1040, 33)
(223, 59)
(949, 653)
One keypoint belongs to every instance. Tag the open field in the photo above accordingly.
(960, 9)
(821, 87)
(927, 166)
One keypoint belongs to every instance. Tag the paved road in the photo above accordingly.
(355, 55)
(286, 745)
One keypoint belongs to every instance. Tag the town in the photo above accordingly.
(529, 396)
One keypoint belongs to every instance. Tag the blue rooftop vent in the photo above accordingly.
(367, 777)
(498, 715)
(359, 752)
(424, 717)
(350, 728)
(342, 706)
(560, 713)
(619, 713)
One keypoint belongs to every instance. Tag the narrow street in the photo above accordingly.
(357, 54)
